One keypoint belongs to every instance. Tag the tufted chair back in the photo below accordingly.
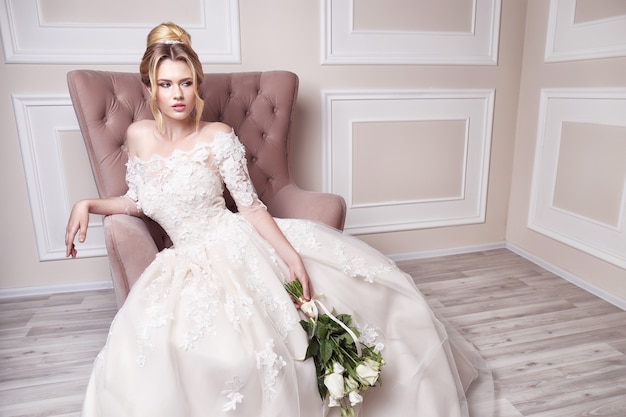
(258, 105)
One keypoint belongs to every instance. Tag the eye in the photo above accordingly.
(164, 85)
(187, 84)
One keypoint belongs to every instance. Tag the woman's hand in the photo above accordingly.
(264, 223)
(77, 224)
(299, 272)
(79, 217)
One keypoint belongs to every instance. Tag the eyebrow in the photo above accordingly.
(181, 80)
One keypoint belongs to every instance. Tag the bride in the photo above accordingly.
(209, 329)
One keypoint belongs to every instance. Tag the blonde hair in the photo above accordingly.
(170, 41)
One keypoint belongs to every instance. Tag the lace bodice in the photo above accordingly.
(184, 192)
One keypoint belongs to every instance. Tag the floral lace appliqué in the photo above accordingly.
(232, 394)
(236, 307)
(157, 318)
(278, 307)
(203, 306)
(357, 266)
(299, 233)
(229, 155)
(270, 363)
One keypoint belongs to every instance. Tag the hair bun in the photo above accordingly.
(169, 33)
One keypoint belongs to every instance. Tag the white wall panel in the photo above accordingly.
(41, 122)
(568, 41)
(596, 106)
(28, 39)
(342, 109)
(343, 44)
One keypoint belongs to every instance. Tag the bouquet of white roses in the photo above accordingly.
(345, 366)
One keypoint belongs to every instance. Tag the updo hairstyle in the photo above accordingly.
(170, 41)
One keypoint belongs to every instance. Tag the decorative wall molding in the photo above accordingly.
(569, 41)
(40, 120)
(26, 39)
(596, 106)
(342, 44)
(344, 108)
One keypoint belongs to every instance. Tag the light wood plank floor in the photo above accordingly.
(555, 350)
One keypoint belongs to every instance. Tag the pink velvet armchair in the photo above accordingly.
(258, 105)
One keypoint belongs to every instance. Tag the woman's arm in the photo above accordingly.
(264, 223)
(127, 204)
(230, 159)
(79, 217)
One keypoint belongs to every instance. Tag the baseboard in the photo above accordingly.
(54, 289)
(446, 252)
(579, 282)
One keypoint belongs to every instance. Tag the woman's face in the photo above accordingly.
(176, 94)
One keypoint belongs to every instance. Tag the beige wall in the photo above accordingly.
(283, 34)
(590, 171)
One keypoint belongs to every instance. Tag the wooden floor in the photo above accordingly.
(554, 349)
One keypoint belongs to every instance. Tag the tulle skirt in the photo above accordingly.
(209, 330)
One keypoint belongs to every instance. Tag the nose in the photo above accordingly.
(178, 91)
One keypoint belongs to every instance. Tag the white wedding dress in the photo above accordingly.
(208, 330)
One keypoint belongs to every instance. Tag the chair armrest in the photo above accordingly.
(131, 249)
(296, 203)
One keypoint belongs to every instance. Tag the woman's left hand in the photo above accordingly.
(299, 272)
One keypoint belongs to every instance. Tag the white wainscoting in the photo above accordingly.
(342, 44)
(580, 105)
(342, 109)
(41, 120)
(26, 39)
(569, 41)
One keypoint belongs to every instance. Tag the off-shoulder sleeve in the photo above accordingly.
(230, 159)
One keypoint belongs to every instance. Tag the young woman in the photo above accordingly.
(208, 329)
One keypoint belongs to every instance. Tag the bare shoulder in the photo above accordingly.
(218, 127)
(208, 131)
(137, 133)
(140, 128)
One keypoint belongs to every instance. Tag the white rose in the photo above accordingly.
(373, 364)
(338, 369)
(355, 398)
(367, 374)
(351, 383)
(333, 402)
(334, 383)
(309, 309)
